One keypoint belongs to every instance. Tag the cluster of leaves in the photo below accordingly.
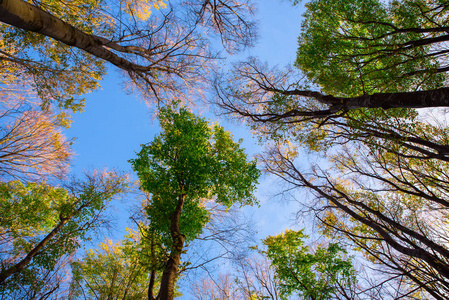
(363, 47)
(324, 273)
(56, 72)
(121, 270)
(28, 212)
(194, 159)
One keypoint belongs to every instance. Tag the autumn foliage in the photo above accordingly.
(32, 145)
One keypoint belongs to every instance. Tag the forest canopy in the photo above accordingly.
(362, 70)
(345, 129)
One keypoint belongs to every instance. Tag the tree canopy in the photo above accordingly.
(32, 145)
(41, 225)
(324, 274)
(60, 49)
(189, 164)
(363, 67)
(351, 48)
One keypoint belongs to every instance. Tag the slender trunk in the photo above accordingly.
(151, 285)
(153, 272)
(24, 262)
(168, 280)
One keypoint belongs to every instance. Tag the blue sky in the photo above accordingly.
(114, 124)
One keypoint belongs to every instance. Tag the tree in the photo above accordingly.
(385, 190)
(361, 55)
(389, 207)
(132, 268)
(115, 271)
(324, 274)
(269, 96)
(188, 165)
(283, 268)
(42, 225)
(63, 47)
(31, 143)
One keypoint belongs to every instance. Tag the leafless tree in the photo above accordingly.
(251, 278)
(32, 145)
(392, 208)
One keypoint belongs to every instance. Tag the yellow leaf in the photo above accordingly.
(141, 9)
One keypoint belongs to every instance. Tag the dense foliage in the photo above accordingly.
(188, 166)
(43, 225)
(362, 70)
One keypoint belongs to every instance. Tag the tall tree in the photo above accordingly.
(368, 54)
(390, 207)
(385, 191)
(41, 224)
(267, 96)
(188, 165)
(63, 47)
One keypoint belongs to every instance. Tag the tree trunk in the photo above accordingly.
(153, 272)
(151, 285)
(26, 16)
(418, 99)
(24, 262)
(168, 280)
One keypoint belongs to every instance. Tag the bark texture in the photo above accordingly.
(26, 16)
(417, 99)
(168, 280)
